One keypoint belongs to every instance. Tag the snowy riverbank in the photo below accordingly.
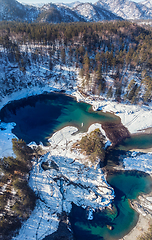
(139, 162)
(134, 117)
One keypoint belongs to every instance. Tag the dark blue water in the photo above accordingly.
(39, 116)
(122, 218)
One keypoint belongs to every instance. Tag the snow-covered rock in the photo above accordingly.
(147, 3)
(72, 4)
(76, 11)
(92, 13)
(56, 13)
(13, 10)
(127, 9)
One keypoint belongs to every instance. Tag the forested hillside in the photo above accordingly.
(114, 59)
(17, 199)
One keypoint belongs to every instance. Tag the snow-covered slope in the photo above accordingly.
(147, 3)
(13, 10)
(75, 11)
(66, 181)
(80, 12)
(72, 4)
(54, 13)
(91, 12)
(127, 9)
(57, 13)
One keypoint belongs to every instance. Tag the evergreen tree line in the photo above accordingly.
(96, 48)
(18, 194)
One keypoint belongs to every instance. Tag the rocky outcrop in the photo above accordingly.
(116, 132)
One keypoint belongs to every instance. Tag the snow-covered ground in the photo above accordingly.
(139, 162)
(71, 180)
(134, 117)
(6, 139)
(66, 181)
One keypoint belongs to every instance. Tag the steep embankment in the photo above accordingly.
(116, 132)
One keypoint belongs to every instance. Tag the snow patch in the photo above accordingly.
(141, 162)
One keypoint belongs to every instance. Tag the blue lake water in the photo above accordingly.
(122, 218)
(38, 117)
(140, 141)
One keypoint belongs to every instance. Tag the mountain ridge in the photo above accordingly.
(127, 9)
(12, 10)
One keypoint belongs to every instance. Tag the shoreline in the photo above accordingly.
(138, 229)
(143, 150)
(144, 220)
(146, 130)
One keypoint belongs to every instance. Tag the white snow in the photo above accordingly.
(147, 3)
(73, 179)
(141, 162)
(128, 9)
(149, 199)
(134, 117)
(87, 11)
(6, 139)
(70, 181)
(41, 222)
(90, 214)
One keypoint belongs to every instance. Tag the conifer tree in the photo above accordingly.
(110, 92)
(63, 55)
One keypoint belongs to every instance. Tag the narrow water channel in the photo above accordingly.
(140, 141)
(122, 218)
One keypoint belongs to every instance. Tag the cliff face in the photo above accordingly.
(116, 132)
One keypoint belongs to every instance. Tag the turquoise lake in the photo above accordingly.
(127, 185)
(140, 141)
(38, 117)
